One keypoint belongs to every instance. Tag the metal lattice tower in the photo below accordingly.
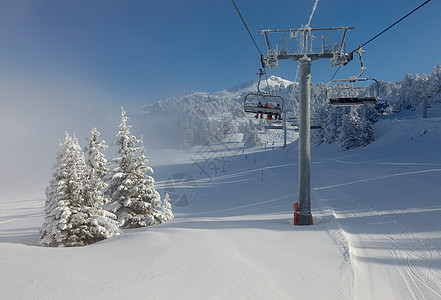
(305, 45)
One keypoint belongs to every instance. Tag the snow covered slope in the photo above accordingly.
(386, 201)
(377, 232)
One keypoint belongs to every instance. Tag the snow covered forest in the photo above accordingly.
(87, 202)
(200, 118)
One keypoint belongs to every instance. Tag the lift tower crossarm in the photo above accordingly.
(293, 44)
(304, 29)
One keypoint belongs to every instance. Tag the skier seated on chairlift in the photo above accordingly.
(270, 115)
(259, 105)
(279, 114)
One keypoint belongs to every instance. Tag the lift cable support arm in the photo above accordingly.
(315, 43)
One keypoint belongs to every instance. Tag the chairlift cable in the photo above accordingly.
(373, 38)
(364, 44)
(335, 73)
(254, 41)
(245, 24)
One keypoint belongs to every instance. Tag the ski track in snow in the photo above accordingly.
(375, 178)
(411, 254)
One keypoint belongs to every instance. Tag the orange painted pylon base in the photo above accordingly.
(296, 214)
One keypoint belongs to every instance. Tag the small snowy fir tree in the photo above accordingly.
(355, 131)
(97, 167)
(69, 220)
(165, 214)
(407, 94)
(132, 191)
(250, 136)
(166, 209)
(434, 88)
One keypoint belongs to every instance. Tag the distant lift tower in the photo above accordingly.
(305, 45)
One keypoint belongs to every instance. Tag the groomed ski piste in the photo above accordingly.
(376, 232)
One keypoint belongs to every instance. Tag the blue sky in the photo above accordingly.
(147, 50)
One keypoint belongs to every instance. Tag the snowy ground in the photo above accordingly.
(377, 232)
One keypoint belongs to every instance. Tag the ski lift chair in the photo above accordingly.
(355, 90)
(263, 103)
(347, 92)
(314, 124)
(255, 103)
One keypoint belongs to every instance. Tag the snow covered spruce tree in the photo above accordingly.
(72, 216)
(348, 127)
(356, 131)
(132, 191)
(97, 167)
(166, 209)
(434, 89)
(250, 136)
